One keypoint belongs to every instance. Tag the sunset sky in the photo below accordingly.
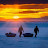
(18, 9)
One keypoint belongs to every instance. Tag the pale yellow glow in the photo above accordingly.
(15, 17)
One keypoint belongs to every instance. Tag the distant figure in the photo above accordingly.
(36, 30)
(20, 31)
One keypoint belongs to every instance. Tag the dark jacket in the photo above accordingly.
(36, 29)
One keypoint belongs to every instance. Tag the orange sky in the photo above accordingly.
(23, 11)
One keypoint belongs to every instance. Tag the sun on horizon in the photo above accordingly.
(15, 17)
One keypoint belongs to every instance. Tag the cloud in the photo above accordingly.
(43, 19)
(24, 12)
(23, 1)
(46, 17)
(34, 6)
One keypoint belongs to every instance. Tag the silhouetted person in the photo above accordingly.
(20, 31)
(36, 30)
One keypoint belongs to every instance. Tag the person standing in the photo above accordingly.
(36, 30)
(20, 31)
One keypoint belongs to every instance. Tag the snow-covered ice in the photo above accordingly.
(41, 41)
(23, 42)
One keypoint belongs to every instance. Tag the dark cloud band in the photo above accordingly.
(23, 1)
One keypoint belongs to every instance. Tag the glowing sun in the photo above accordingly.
(16, 17)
